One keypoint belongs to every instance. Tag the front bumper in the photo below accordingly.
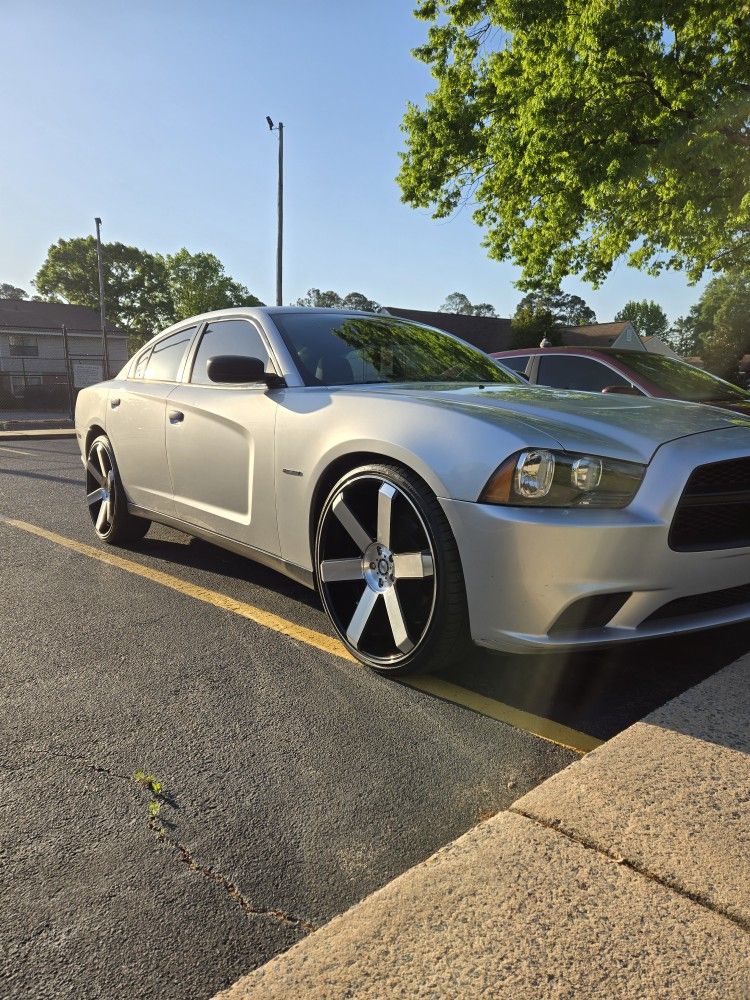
(524, 567)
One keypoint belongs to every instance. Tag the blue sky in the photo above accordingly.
(152, 115)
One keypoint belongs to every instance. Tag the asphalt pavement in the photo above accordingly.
(293, 782)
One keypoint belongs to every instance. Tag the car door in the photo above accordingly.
(220, 442)
(136, 419)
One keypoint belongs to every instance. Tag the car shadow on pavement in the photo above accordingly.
(602, 691)
(42, 475)
(196, 554)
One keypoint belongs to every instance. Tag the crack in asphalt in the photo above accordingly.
(185, 854)
(233, 891)
(694, 897)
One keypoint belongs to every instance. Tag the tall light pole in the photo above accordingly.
(100, 265)
(280, 230)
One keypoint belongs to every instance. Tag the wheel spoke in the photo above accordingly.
(103, 515)
(396, 618)
(361, 616)
(101, 455)
(92, 498)
(350, 522)
(341, 569)
(92, 469)
(386, 493)
(412, 565)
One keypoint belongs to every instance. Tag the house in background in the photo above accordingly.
(33, 369)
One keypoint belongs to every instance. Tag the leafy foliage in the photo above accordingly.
(682, 336)
(587, 130)
(332, 300)
(648, 317)
(721, 323)
(12, 291)
(197, 283)
(457, 302)
(565, 309)
(144, 292)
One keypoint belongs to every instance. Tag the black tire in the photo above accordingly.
(107, 502)
(424, 627)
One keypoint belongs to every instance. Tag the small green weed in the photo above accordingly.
(154, 787)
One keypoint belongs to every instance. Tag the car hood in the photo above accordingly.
(624, 427)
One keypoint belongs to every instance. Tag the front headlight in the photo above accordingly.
(541, 478)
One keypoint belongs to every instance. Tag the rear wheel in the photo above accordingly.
(389, 573)
(108, 506)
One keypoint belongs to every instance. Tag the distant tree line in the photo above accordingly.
(146, 292)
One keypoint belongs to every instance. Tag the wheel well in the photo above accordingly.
(334, 472)
(93, 432)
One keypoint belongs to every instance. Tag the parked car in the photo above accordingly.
(615, 370)
(424, 491)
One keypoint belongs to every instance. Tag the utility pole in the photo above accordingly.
(68, 372)
(105, 352)
(280, 207)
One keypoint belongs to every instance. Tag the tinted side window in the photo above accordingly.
(560, 372)
(516, 364)
(227, 336)
(167, 356)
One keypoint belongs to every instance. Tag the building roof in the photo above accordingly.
(488, 333)
(19, 314)
(594, 334)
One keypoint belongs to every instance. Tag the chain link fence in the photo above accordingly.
(47, 384)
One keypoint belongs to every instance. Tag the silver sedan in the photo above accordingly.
(428, 495)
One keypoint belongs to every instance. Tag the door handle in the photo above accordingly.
(176, 416)
(114, 403)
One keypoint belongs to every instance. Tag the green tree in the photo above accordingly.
(197, 283)
(682, 336)
(531, 327)
(721, 322)
(144, 292)
(459, 303)
(356, 300)
(565, 309)
(136, 295)
(314, 298)
(648, 317)
(585, 130)
(12, 291)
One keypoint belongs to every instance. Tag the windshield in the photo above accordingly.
(341, 349)
(679, 379)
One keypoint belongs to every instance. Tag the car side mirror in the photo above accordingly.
(622, 390)
(237, 368)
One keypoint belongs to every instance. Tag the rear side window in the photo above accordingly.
(517, 364)
(166, 356)
(559, 371)
(227, 336)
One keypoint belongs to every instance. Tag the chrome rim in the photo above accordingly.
(100, 487)
(376, 569)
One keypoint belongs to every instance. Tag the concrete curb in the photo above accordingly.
(627, 874)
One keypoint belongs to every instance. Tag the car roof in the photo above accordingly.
(565, 350)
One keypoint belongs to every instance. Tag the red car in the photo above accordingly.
(610, 369)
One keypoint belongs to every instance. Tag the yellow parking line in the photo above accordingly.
(257, 615)
(537, 725)
(17, 451)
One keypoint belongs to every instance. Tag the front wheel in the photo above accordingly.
(108, 505)
(389, 573)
